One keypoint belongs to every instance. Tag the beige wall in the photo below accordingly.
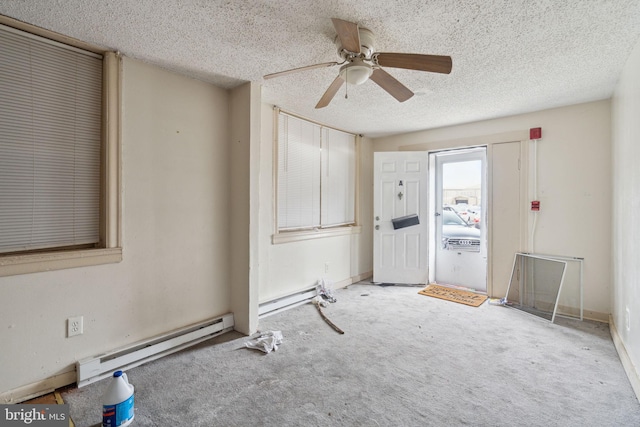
(574, 183)
(175, 239)
(287, 268)
(626, 201)
(245, 121)
(364, 253)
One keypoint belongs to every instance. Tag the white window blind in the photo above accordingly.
(316, 175)
(338, 178)
(50, 143)
(298, 173)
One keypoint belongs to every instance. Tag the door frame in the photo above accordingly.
(475, 153)
(522, 138)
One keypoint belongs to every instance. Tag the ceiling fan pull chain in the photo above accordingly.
(346, 87)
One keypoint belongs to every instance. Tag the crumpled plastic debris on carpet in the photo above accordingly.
(266, 341)
(325, 290)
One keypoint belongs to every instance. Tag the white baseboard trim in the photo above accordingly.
(596, 316)
(361, 277)
(38, 388)
(629, 368)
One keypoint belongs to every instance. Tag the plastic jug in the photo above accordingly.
(117, 402)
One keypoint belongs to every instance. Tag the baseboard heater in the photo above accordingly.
(96, 368)
(285, 303)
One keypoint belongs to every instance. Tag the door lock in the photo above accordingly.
(377, 227)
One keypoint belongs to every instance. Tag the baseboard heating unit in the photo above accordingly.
(96, 368)
(285, 303)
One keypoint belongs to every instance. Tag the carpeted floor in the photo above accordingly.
(404, 360)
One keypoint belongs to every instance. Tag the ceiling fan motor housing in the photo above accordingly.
(367, 41)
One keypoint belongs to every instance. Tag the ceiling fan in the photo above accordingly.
(360, 62)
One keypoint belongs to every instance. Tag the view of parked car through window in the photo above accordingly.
(457, 234)
(461, 196)
(470, 214)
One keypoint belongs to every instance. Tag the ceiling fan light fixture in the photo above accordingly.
(356, 73)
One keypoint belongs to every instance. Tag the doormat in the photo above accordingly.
(455, 295)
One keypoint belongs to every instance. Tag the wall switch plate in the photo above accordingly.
(74, 326)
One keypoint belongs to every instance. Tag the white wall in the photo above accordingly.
(626, 202)
(574, 184)
(286, 268)
(175, 244)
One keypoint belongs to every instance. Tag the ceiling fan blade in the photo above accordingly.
(295, 70)
(348, 34)
(389, 83)
(414, 61)
(330, 93)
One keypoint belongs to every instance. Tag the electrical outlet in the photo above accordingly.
(74, 326)
(326, 267)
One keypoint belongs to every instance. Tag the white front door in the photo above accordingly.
(460, 218)
(400, 190)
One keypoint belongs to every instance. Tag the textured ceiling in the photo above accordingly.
(509, 57)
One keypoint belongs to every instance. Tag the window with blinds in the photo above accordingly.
(316, 175)
(50, 143)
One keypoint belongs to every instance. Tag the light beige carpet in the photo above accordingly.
(403, 360)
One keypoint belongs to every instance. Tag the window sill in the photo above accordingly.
(35, 263)
(296, 236)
